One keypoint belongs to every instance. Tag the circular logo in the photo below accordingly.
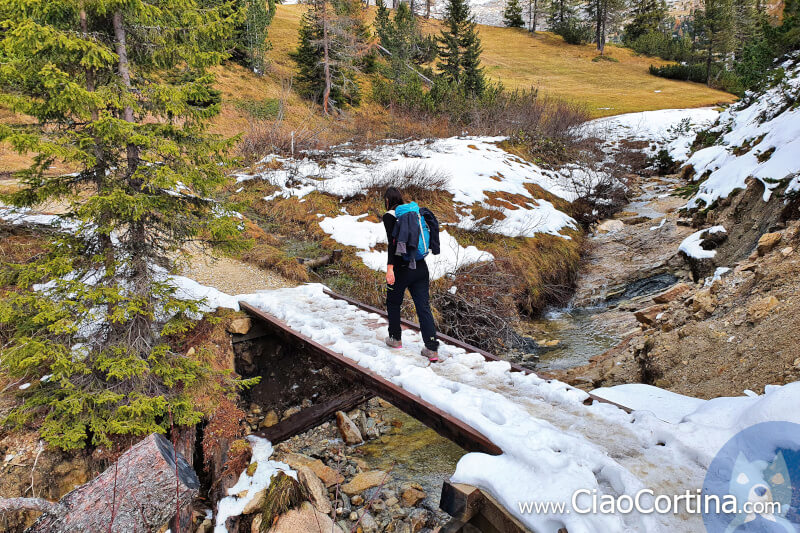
(753, 483)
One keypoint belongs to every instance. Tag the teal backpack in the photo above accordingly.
(424, 232)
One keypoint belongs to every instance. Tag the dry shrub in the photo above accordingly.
(481, 309)
(276, 137)
(269, 257)
(223, 426)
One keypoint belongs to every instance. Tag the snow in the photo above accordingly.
(673, 129)
(764, 130)
(469, 167)
(666, 405)
(24, 386)
(552, 443)
(691, 244)
(353, 231)
(232, 505)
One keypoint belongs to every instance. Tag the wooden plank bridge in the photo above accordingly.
(466, 504)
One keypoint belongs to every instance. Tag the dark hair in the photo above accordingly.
(392, 198)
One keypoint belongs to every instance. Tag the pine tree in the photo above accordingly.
(512, 16)
(647, 16)
(604, 13)
(332, 49)
(460, 49)
(716, 32)
(121, 95)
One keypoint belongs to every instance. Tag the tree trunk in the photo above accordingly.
(125, 75)
(708, 60)
(140, 492)
(326, 60)
(598, 12)
(428, 8)
(8, 505)
(535, 15)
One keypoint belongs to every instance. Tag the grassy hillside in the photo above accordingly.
(511, 56)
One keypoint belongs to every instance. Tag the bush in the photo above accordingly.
(573, 31)
(664, 163)
(720, 78)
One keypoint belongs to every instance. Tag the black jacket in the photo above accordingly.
(390, 223)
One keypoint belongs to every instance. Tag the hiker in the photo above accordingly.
(411, 233)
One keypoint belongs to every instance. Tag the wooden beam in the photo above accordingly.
(446, 425)
(460, 501)
(470, 505)
(413, 325)
(313, 416)
(461, 344)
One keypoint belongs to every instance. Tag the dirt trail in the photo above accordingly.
(231, 276)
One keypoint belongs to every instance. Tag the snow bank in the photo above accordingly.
(249, 486)
(761, 139)
(365, 235)
(667, 406)
(691, 244)
(673, 129)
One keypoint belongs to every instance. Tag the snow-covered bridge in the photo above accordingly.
(533, 440)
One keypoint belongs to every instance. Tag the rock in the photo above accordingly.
(364, 481)
(671, 294)
(761, 308)
(786, 252)
(270, 420)
(328, 475)
(239, 326)
(548, 344)
(648, 315)
(255, 525)
(291, 412)
(704, 302)
(357, 500)
(190, 352)
(206, 527)
(610, 226)
(418, 519)
(353, 516)
(256, 503)
(367, 522)
(412, 496)
(767, 242)
(315, 488)
(348, 429)
(306, 518)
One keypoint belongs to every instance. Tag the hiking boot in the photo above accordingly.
(391, 342)
(432, 356)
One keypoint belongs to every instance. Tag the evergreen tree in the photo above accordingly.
(512, 16)
(121, 95)
(560, 12)
(460, 49)
(605, 14)
(332, 49)
(647, 16)
(716, 32)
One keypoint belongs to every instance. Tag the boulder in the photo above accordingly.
(412, 496)
(315, 488)
(328, 475)
(761, 308)
(255, 525)
(270, 420)
(240, 326)
(348, 429)
(610, 226)
(364, 481)
(256, 503)
(671, 294)
(648, 315)
(704, 302)
(367, 522)
(767, 242)
(305, 518)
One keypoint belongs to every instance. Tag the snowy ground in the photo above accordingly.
(471, 169)
(760, 139)
(553, 444)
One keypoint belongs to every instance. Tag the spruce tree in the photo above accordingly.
(512, 16)
(647, 16)
(121, 95)
(332, 49)
(460, 49)
(716, 32)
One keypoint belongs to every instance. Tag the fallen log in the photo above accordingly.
(140, 492)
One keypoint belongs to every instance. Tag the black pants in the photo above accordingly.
(418, 283)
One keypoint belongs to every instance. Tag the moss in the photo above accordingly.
(283, 494)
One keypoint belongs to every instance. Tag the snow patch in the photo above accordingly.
(691, 244)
